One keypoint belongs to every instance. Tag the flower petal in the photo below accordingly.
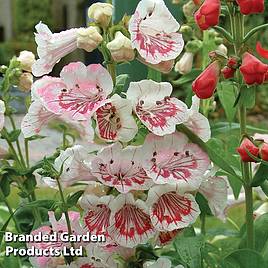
(130, 222)
(261, 51)
(169, 209)
(2, 114)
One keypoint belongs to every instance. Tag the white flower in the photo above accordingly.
(223, 49)
(120, 48)
(185, 64)
(26, 59)
(101, 13)
(88, 38)
(262, 209)
(2, 114)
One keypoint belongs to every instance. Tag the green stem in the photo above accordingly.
(26, 145)
(203, 223)
(112, 70)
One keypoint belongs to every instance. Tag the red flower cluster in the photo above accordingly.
(248, 7)
(247, 147)
(229, 70)
(253, 70)
(206, 83)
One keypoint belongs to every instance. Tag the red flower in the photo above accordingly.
(232, 62)
(208, 14)
(253, 70)
(251, 6)
(261, 51)
(205, 84)
(228, 72)
(264, 152)
(245, 147)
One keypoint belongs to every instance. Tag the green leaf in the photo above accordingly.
(73, 199)
(244, 258)
(4, 227)
(48, 204)
(154, 75)
(120, 83)
(248, 96)
(203, 204)
(260, 176)
(235, 184)
(254, 30)
(189, 250)
(14, 135)
(226, 93)
(187, 77)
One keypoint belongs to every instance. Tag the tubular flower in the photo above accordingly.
(171, 159)
(228, 72)
(253, 70)
(248, 7)
(205, 84)
(153, 32)
(152, 103)
(171, 209)
(163, 66)
(208, 14)
(185, 64)
(79, 91)
(261, 51)
(130, 221)
(264, 152)
(121, 168)
(246, 147)
(101, 13)
(115, 121)
(2, 114)
(52, 47)
(120, 48)
(88, 38)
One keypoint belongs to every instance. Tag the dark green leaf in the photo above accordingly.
(120, 84)
(154, 75)
(248, 95)
(73, 199)
(235, 184)
(203, 204)
(4, 227)
(187, 78)
(260, 176)
(14, 135)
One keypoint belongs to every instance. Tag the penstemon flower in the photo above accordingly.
(154, 32)
(79, 91)
(172, 159)
(2, 114)
(52, 47)
(152, 103)
(115, 121)
(121, 168)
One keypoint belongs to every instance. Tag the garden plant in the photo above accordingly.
(141, 167)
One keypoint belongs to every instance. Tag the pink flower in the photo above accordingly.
(153, 32)
(171, 159)
(152, 103)
(97, 213)
(2, 114)
(197, 122)
(170, 208)
(130, 221)
(121, 168)
(79, 91)
(214, 189)
(52, 47)
(115, 121)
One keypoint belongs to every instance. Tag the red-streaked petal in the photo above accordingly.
(166, 237)
(130, 222)
(261, 51)
(170, 210)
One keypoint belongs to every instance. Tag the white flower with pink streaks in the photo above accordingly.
(215, 190)
(115, 121)
(197, 122)
(96, 216)
(52, 47)
(152, 103)
(172, 159)
(2, 114)
(130, 221)
(153, 32)
(121, 168)
(171, 208)
(79, 91)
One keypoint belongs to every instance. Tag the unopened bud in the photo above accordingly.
(223, 49)
(25, 82)
(185, 64)
(193, 46)
(189, 9)
(26, 59)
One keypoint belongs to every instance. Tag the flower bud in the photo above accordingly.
(101, 13)
(175, 2)
(223, 49)
(121, 48)
(228, 72)
(264, 151)
(208, 14)
(253, 70)
(206, 83)
(187, 31)
(26, 59)
(193, 46)
(245, 147)
(3, 69)
(262, 209)
(248, 7)
(25, 82)
(185, 64)
(232, 62)
(188, 9)
(88, 38)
